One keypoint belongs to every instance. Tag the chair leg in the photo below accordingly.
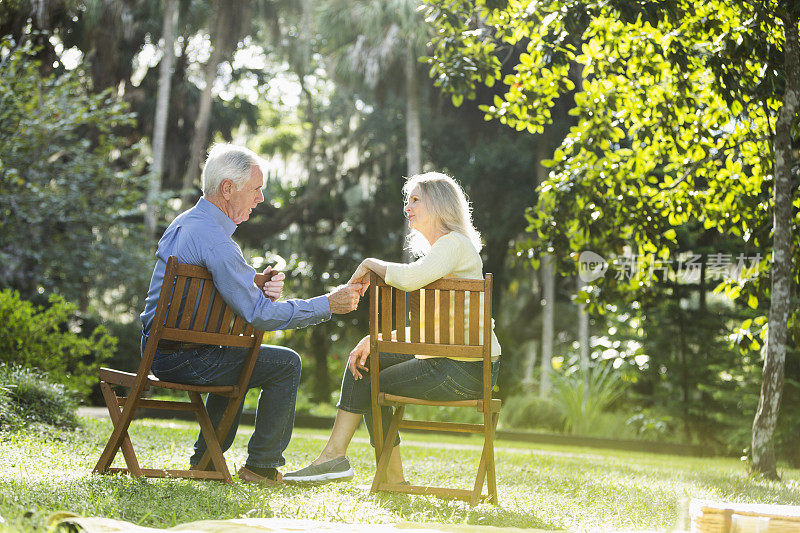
(120, 429)
(388, 443)
(114, 412)
(210, 436)
(223, 427)
(486, 467)
(478, 488)
(491, 480)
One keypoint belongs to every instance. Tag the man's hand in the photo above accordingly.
(271, 283)
(358, 358)
(344, 298)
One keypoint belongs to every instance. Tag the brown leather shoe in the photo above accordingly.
(248, 476)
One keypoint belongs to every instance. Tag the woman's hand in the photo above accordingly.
(361, 275)
(358, 358)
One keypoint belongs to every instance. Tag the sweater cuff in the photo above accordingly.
(391, 275)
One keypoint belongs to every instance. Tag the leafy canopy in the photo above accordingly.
(674, 102)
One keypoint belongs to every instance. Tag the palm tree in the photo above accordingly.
(374, 42)
(229, 21)
(162, 111)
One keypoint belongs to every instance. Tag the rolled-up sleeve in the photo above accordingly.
(233, 278)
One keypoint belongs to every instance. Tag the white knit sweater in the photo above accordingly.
(451, 256)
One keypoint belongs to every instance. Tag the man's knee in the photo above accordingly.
(281, 356)
(295, 361)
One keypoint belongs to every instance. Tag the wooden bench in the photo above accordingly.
(189, 310)
(388, 312)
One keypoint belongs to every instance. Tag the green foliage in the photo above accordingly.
(27, 397)
(443, 414)
(49, 339)
(529, 411)
(584, 396)
(648, 425)
(674, 106)
(67, 193)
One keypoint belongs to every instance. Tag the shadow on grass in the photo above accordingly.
(457, 512)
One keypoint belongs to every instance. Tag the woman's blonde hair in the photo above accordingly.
(446, 201)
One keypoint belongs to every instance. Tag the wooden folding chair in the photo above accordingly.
(189, 310)
(387, 313)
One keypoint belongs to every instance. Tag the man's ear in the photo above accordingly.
(226, 188)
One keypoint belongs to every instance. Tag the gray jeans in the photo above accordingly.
(436, 378)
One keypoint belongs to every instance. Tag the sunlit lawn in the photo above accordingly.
(540, 486)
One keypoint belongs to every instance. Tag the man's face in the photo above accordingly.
(242, 202)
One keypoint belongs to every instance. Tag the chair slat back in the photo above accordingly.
(196, 312)
(400, 314)
(440, 317)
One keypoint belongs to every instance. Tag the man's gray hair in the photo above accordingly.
(227, 161)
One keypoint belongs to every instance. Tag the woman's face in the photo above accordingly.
(419, 218)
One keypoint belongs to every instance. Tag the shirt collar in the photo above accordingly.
(216, 215)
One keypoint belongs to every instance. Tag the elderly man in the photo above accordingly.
(232, 182)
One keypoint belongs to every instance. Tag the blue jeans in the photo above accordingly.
(436, 378)
(276, 372)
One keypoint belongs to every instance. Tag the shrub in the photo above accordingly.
(529, 411)
(647, 424)
(443, 414)
(48, 339)
(28, 397)
(583, 398)
(69, 189)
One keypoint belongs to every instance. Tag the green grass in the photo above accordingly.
(540, 486)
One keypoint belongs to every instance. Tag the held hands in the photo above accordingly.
(271, 283)
(345, 298)
(361, 275)
(358, 358)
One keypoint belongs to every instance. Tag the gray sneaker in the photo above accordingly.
(335, 469)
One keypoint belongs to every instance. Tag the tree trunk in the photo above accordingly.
(548, 286)
(413, 125)
(530, 365)
(320, 347)
(682, 350)
(162, 113)
(583, 343)
(548, 305)
(583, 333)
(219, 38)
(302, 68)
(766, 418)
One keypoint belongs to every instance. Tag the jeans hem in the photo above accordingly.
(351, 409)
(274, 464)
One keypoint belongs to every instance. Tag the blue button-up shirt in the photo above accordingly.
(202, 236)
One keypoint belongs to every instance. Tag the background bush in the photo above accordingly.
(28, 397)
(529, 411)
(49, 338)
(68, 188)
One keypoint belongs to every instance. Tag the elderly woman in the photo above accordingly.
(447, 245)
